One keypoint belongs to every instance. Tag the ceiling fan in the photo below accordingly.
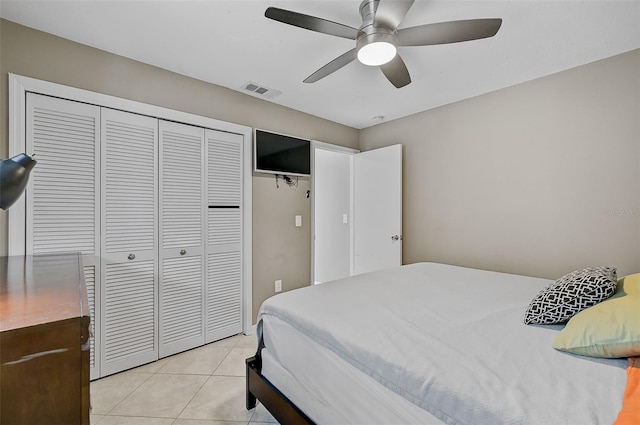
(378, 37)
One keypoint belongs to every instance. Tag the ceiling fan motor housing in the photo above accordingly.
(374, 37)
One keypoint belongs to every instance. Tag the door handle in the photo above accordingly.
(396, 238)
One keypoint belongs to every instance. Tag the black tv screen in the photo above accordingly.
(279, 154)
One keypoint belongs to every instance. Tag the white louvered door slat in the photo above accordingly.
(224, 159)
(224, 293)
(63, 205)
(182, 295)
(64, 135)
(129, 314)
(129, 243)
(224, 227)
(181, 285)
(224, 153)
(90, 282)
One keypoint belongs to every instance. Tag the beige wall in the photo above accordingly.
(537, 179)
(280, 250)
(285, 250)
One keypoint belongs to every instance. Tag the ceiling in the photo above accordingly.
(231, 43)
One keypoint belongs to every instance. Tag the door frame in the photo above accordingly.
(19, 86)
(316, 144)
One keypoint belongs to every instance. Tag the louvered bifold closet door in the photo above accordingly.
(129, 243)
(224, 153)
(181, 304)
(63, 205)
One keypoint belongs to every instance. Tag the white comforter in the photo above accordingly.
(451, 340)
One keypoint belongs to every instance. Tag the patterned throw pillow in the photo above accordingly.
(571, 294)
(609, 329)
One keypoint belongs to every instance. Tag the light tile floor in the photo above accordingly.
(203, 386)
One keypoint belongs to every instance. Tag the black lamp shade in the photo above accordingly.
(14, 175)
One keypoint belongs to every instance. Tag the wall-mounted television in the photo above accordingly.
(280, 154)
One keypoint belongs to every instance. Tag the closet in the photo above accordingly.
(155, 207)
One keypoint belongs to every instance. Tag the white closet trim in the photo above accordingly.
(20, 85)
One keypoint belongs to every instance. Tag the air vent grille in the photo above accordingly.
(261, 91)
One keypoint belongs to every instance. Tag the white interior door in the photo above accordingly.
(181, 283)
(129, 240)
(224, 154)
(378, 209)
(63, 202)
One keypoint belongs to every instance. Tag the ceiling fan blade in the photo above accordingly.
(396, 72)
(311, 23)
(390, 13)
(448, 32)
(332, 66)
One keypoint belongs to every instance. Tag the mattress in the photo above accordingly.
(332, 382)
(429, 343)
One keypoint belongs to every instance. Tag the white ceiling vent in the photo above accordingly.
(258, 90)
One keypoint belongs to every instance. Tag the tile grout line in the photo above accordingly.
(231, 347)
(194, 394)
(127, 396)
(207, 380)
(191, 399)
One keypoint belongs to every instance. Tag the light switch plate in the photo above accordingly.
(298, 221)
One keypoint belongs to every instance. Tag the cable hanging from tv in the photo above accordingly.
(293, 184)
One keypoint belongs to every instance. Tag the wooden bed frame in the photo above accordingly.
(259, 388)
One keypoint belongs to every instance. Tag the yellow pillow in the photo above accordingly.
(608, 329)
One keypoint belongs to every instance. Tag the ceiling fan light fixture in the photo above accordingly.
(376, 53)
(376, 48)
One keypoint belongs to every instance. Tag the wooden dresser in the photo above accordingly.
(44, 332)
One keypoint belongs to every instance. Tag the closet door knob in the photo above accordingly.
(183, 251)
(131, 256)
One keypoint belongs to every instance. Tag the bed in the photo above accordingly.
(424, 343)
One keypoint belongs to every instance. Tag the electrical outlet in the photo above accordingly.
(278, 287)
